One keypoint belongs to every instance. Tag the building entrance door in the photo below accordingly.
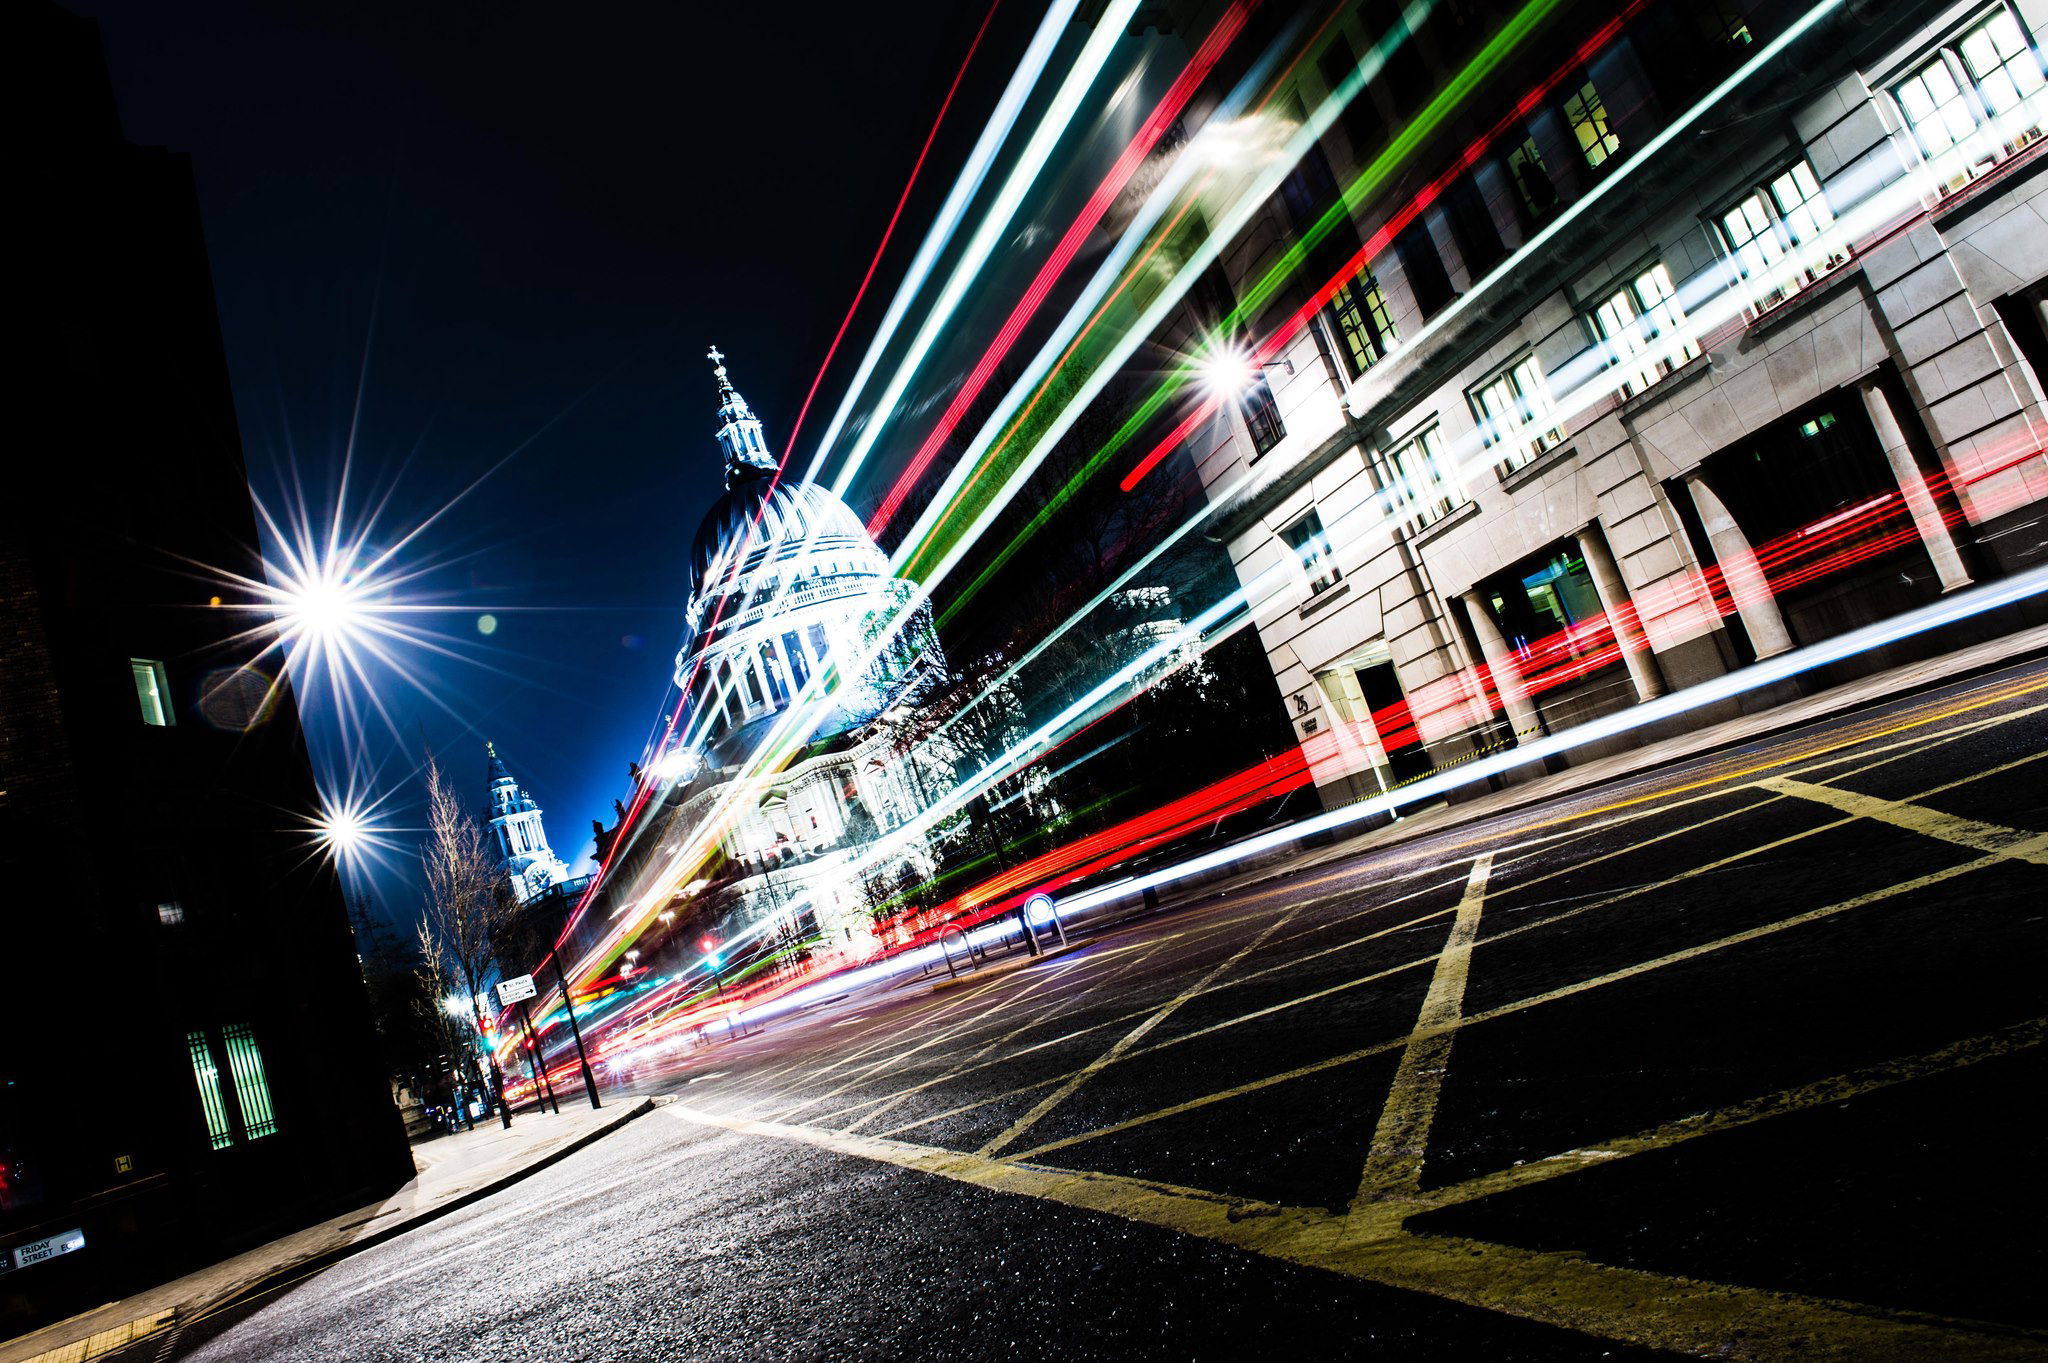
(1393, 721)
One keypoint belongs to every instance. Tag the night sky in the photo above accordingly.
(532, 219)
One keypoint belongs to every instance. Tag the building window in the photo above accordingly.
(1422, 481)
(207, 1075)
(1358, 310)
(153, 691)
(1777, 237)
(1517, 417)
(1312, 549)
(252, 1090)
(170, 913)
(1975, 100)
(1587, 113)
(1261, 414)
(1559, 614)
(1532, 180)
(1644, 326)
(1472, 227)
(1339, 63)
(1424, 266)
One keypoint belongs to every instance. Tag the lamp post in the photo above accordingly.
(714, 960)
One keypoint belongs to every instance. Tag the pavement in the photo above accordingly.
(453, 1171)
(1736, 1057)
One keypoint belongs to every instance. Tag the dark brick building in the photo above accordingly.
(187, 1064)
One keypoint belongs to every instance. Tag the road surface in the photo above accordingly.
(1740, 1058)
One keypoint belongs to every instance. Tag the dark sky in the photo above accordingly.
(533, 218)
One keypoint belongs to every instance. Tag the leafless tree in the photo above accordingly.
(464, 907)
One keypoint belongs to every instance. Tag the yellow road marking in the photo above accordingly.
(1518, 930)
(884, 1103)
(2017, 843)
(1836, 1089)
(1131, 1038)
(1559, 1289)
(1532, 1001)
(1393, 1165)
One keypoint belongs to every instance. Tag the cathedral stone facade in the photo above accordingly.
(789, 596)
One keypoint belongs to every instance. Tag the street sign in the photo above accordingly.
(518, 987)
(35, 1251)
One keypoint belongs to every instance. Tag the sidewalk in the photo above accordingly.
(454, 1171)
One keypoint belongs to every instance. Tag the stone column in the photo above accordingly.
(1927, 517)
(1740, 570)
(1500, 661)
(1621, 613)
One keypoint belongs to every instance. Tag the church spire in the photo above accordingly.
(739, 430)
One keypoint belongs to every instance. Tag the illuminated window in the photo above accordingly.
(1516, 414)
(153, 691)
(1587, 113)
(170, 913)
(211, 1104)
(1312, 549)
(1261, 414)
(1532, 180)
(1778, 237)
(1723, 23)
(1644, 325)
(1423, 483)
(1366, 328)
(252, 1090)
(1974, 101)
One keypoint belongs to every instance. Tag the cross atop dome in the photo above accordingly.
(739, 430)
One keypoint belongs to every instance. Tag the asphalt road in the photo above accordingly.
(1742, 1059)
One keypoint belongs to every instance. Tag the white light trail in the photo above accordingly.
(1948, 610)
(1031, 162)
(947, 221)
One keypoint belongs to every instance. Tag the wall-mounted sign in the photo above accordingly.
(49, 1247)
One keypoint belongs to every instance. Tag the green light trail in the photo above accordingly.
(1366, 183)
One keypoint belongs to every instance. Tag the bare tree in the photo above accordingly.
(464, 909)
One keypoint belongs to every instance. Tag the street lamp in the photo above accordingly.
(1226, 370)
(714, 958)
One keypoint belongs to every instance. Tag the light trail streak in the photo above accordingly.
(770, 746)
(917, 167)
(1228, 229)
(1031, 162)
(1025, 79)
(1946, 611)
(1247, 193)
(1609, 183)
(1167, 110)
(1250, 480)
(1022, 82)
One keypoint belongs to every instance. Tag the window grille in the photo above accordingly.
(152, 691)
(1313, 550)
(211, 1104)
(1517, 415)
(1778, 237)
(1587, 113)
(1359, 312)
(252, 1090)
(1423, 484)
(1644, 325)
(1974, 101)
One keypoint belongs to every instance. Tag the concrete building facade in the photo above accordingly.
(1724, 338)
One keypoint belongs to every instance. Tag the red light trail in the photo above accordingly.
(1162, 117)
